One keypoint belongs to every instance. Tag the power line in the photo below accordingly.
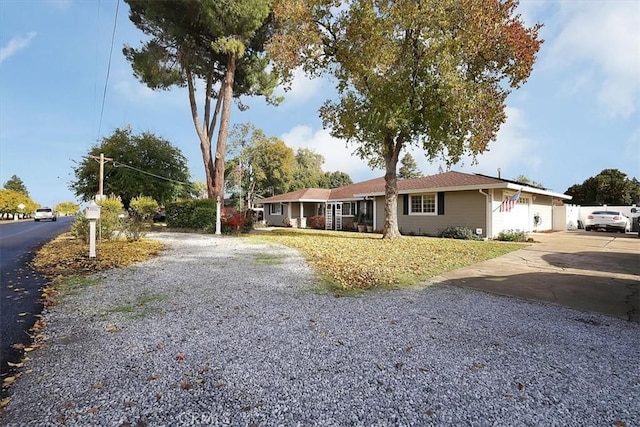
(106, 83)
(117, 164)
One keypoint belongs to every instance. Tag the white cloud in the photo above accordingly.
(15, 45)
(603, 36)
(337, 156)
(302, 88)
(512, 152)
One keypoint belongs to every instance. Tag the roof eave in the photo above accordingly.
(531, 190)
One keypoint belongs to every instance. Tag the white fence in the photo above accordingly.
(572, 217)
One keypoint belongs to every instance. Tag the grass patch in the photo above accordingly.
(351, 261)
(269, 259)
(137, 308)
(73, 284)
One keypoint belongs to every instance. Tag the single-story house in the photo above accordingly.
(426, 205)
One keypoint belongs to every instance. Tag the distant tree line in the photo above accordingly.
(609, 187)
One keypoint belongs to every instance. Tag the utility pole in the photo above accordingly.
(101, 160)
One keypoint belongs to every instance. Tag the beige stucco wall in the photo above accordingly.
(461, 209)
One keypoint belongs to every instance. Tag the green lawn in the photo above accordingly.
(351, 261)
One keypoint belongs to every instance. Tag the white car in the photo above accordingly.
(45, 213)
(607, 220)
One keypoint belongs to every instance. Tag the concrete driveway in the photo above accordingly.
(590, 271)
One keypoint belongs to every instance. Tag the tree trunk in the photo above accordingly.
(204, 130)
(391, 154)
(221, 148)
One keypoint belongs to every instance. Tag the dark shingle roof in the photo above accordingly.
(447, 180)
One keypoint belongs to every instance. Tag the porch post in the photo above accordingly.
(301, 223)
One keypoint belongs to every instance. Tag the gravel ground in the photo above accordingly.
(215, 333)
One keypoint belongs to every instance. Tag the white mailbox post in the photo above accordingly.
(93, 214)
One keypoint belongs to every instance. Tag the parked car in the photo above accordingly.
(607, 220)
(159, 217)
(45, 213)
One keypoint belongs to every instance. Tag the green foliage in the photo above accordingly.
(462, 233)
(80, 228)
(409, 168)
(609, 187)
(108, 224)
(16, 184)
(336, 179)
(262, 165)
(217, 45)
(196, 214)
(143, 208)
(429, 73)
(525, 180)
(110, 210)
(163, 168)
(67, 208)
(512, 236)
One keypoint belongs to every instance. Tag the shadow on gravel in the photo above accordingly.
(607, 295)
(610, 262)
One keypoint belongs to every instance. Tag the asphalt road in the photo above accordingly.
(19, 284)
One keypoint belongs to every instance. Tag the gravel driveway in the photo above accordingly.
(214, 332)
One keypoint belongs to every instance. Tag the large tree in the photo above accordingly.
(609, 187)
(139, 165)
(16, 184)
(409, 168)
(429, 73)
(260, 165)
(219, 43)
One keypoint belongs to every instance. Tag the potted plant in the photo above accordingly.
(369, 225)
(360, 221)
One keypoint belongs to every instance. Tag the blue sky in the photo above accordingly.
(576, 115)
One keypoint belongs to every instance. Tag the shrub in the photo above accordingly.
(512, 236)
(143, 208)
(462, 233)
(234, 222)
(108, 224)
(198, 213)
(80, 228)
(317, 222)
(110, 210)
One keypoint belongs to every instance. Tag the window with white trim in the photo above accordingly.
(275, 209)
(422, 204)
(348, 208)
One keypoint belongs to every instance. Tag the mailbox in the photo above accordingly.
(92, 211)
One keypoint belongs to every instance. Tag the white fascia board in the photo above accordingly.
(506, 185)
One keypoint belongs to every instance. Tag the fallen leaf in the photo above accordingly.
(9, 380)
(154, 377)
(15, 365)
(23, 314)
(112, 328)
(179, 356)
(93, 411)
(4, 402)
(186, 385)
(98, 386)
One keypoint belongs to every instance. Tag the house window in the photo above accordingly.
(348, 208)
(275, 209)
(423, 204)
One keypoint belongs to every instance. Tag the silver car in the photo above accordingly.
(607, 220)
